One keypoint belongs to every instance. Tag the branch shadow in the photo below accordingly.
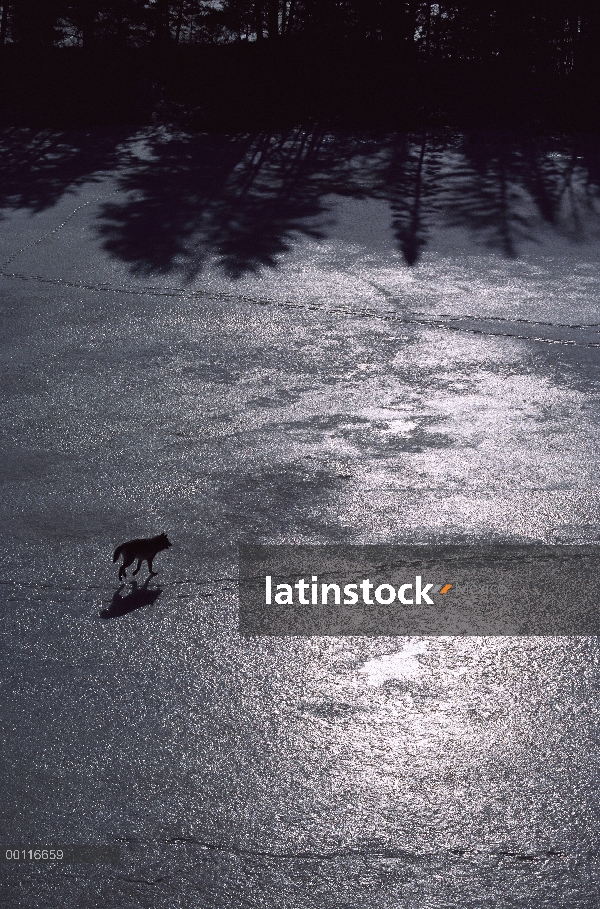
(40, 166)
(239, 202)
(505, 190)
(410, 187)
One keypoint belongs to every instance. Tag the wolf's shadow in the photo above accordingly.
(135, 599)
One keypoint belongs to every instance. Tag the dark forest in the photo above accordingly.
(238, 63)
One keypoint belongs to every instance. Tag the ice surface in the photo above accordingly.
(298, 338)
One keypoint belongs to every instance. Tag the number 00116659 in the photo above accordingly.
(35, 855)
(90, 854)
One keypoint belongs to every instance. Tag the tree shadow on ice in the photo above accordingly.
(237, 200)
(410, 186)
(507, 190)
(241, 201)
(40, 166)
(135, 599)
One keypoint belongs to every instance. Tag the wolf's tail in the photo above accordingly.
(117, 553)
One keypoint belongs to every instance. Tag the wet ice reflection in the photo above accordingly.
(448, 744)
(297, 338)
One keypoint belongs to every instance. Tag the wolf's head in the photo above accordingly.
(164, 541)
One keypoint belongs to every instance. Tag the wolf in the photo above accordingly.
(144, 550)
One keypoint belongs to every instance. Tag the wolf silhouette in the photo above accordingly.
(144, 550)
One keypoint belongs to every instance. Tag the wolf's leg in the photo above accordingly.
(138, 566)
(124, 566)
(150, 567)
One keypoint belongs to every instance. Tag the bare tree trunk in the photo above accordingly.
(161, 32)
(290, 17)
(179, 21)
(591, 38)
(273, 19)
(88, 18)
(259, 18)
(4, 23)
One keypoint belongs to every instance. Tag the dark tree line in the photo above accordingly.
(238, 63)
(555, 35)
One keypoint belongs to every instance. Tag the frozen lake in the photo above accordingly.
(292, 338)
